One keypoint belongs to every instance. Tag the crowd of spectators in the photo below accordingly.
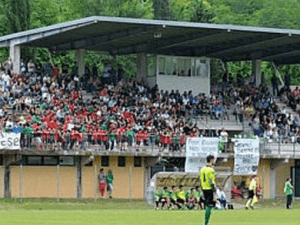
(50, 109)
(268, 119)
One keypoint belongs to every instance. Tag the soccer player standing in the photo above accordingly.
(252, 192)
(208, 182)
(288, 191)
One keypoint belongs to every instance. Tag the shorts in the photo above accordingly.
(173, 201)
(164, 200)
(209, 198)
(182, 201)
(250, 194)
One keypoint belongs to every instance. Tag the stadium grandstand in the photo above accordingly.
(71, 123)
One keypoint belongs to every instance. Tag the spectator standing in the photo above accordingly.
(31, 67)
(110, 181)
(23, 67)
(287, 81)
(274, 81)
(288, 191)
(8, 65)
(95, 70)
(102, 182)
(224, 136)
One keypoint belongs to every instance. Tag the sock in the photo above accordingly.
(248, 203)
(207, 215)
(163, 205)
(156, 203)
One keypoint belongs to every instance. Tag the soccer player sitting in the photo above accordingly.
(164, 197)
(221, 197)
(173, 198)
(208, 182)
(181, 200)
(190, 198)
(198, 198)
(251, 193)
(157, 197)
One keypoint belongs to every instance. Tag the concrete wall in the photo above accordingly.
(1, 182)
(121, 179)
(41, 182)
(282, 173)
(263, 175)
(196, 84)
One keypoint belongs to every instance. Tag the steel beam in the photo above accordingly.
(248, 45)
(94, 42)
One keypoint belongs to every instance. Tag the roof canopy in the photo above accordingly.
(126, 36)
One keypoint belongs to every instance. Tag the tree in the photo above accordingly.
(118, 8)
(161, 9)
(191, 10)
(15, 15)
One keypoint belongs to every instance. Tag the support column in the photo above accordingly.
(6, 163)
(15, 55)
(272, 183)
(256, 71)
(148, 162)
(80, 61)
(78, 177)
(142, 67)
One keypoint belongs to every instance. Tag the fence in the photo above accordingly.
(140, 142)
(103, 142)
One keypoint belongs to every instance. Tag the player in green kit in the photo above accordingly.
(198, 198)
(164, 197)
(181, 200)
(208, 183)
(157, 197)
(173, 198)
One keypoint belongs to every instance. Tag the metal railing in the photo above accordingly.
(151, 143)
(102, 142)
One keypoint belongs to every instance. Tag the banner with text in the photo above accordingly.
(196, 151)
(10, 141)
(246, 156)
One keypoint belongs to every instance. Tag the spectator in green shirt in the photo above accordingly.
(110, 181)
(288, 191)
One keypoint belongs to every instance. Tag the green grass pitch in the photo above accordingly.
(124, 212)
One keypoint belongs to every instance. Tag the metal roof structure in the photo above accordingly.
(128, 36)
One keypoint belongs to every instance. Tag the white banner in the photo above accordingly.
(196, 151)
(10, 141)
(246, 156)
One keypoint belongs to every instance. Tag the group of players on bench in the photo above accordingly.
(178, 198)
(181, 199)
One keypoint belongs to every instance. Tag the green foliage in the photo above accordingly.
(15, 15)
(162, 9)
(279, 14)
(191, 10)
(44, 13)
(118, 8)
(19, 15)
